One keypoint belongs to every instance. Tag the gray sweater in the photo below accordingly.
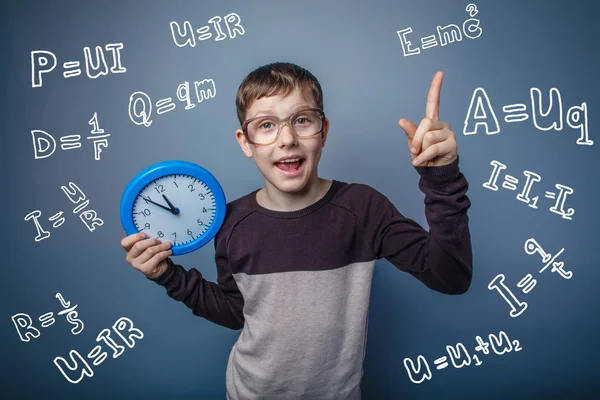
(298, 283)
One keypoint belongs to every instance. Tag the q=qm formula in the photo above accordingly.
(140, 104)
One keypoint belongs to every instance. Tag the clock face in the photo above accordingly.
(177, 208)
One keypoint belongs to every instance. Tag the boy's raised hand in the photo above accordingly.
(432, 143)
(147, 256)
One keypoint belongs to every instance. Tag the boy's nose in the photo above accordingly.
(286, 135)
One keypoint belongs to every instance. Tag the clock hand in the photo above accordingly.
(173, 209)
(160, 205)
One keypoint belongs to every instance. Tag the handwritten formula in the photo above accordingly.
(528, 282)
(89, 217)
(545, 115)
(44, 144)
(27, 331)
(445, 34)
(186, 37)
(44, 62)
(77, 367)
(140, 104)
(459, 356)
(510, 182)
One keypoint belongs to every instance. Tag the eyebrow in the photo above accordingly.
(269, 111)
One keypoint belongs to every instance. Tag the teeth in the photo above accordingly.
(290, 160)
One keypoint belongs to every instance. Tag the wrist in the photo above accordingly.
(160, 271)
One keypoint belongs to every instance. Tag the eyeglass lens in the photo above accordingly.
(265, 129)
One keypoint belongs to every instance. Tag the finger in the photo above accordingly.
(426, 125)
(141, 259)
(128, 241)
(153, 262)
(141, 246)
(432, 109)
(433, 137)
(408, 127)
(433, 151)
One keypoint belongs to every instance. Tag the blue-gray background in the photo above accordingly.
(353, 49)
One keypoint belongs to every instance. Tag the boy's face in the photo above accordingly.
(287, 144)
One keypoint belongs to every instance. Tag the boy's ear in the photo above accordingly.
(325, 130)
(241, 138)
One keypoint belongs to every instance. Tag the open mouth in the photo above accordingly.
(290, 166)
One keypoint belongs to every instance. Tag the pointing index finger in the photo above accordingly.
(432, 109)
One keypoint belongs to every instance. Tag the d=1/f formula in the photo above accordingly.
(44, 144)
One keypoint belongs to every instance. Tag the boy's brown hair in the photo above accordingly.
(273, 79)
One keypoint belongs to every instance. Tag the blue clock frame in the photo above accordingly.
(174, 167)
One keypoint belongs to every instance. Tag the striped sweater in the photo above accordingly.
(298, 283)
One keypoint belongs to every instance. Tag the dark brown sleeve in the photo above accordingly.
(220, 302)
(441, 258)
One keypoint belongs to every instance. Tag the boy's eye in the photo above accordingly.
(265, 125)
(303, 120)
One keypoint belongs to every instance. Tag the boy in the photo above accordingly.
(295, 259)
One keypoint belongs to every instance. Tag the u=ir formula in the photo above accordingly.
(187, 37)
(44, 144)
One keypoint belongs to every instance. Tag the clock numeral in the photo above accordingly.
(161, 188)
(160, 234)
(147, 226)
(145, 212)
(191, 186)
(201, 196)
(189, 232)
(174, 234)
(147, 200)
(204, 209)
(176, 184)
(200, 223)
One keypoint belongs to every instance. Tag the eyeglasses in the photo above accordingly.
(266, 129)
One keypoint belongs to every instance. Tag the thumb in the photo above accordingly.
(409, 129)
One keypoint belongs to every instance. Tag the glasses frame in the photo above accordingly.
(285, 121)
